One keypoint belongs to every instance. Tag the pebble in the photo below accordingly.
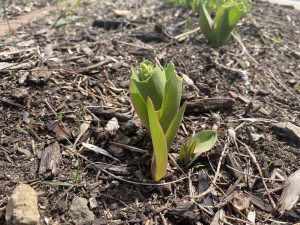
(22, 207)
(79, 211)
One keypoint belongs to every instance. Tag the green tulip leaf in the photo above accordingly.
(172, 97)
(138, 102)
(174, 125)
(226, 19)
(160, 149)
(153, 87)
(198, 144)
(206, 24)
(228, 14)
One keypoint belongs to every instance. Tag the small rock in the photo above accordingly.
(116, 150)
(26, 117)
(22, 207)
(93, 203)
(129, 127)
(80, 212)
(22, 76)
(24, 151)
(122, 138)
(113, 206)
(20, 94)
(112, 125)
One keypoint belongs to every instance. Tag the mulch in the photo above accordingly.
(65, 85)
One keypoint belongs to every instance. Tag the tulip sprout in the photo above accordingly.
(217, 31)
(155, 95)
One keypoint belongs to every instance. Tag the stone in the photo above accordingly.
(79, 211)
(22, 207)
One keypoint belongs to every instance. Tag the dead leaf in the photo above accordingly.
(83, 128)
(241, 201)
(290, 193)
(289, 130)
(219, 218)
(59, 129)
(121, 12)
(251, 215)
(99, 150)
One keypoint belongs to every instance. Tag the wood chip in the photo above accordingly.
(50, 160)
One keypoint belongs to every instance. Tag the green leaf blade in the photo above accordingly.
(153, 87)
(198, 144)
(160, 150)
(174, 126)
(206, 24)
(171, 99)
(138, 104)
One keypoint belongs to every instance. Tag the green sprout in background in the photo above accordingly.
(196, 4)
(217, 31)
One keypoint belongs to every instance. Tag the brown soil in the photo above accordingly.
(53, 77)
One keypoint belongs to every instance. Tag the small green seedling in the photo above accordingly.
(217, 31)
(198, 144)
(155, 94)
(195, 4)
(59, 117)
(187, 4)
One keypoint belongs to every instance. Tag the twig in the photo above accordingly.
(122, 179)
(50, 107)
(260, 172)
(186, 33)
(224, 152)
(5, 16)
(131, 148)
(258, 177)
(242, 72)
(236, 36)
(163, 219)
(279, 82)
(237, 219)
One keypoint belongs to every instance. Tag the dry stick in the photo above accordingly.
(163, 219)
(236, 36)
(229, 68)
(269, 179)
(131, 148)
(119, 178)
(50, 107)
(270, 73)
(5, 16)
(260, 173)
(237, 219)
(186, 33)
(224, 152)
(281, 84)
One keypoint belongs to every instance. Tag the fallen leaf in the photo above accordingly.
(290, 193)
(99, 150)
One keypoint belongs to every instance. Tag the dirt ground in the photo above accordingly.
(63, 80)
